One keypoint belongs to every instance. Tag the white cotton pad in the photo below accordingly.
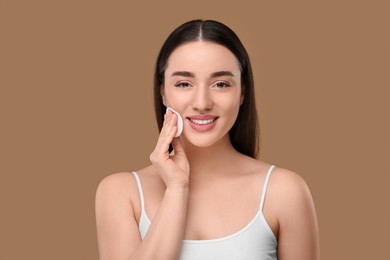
(179, 122)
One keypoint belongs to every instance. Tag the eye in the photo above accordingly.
(222, 84)
(183, 84)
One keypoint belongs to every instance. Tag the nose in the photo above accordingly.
(202, 100)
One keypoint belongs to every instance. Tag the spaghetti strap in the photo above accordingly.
(265, 187)
(141, 193)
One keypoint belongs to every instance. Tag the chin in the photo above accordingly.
(205, 141)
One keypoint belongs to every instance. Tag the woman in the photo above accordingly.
(205, 195)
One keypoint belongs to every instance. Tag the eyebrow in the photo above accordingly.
(192, 75)
(222, 73)
(184, 74)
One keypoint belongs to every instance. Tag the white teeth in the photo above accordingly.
(202, 122)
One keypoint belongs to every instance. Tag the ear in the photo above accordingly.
(242, 95)
(162, 94)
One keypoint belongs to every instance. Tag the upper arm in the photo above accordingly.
(117, 228)
(298, 228)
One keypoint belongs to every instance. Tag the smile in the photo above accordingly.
(202, 122)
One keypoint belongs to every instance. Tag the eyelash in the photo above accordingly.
(225, 84)
(184, 84)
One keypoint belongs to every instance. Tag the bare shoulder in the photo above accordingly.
(114, 193)
(116, 207)
(121, 187)
(116, 183)
(289, 193)
(288, 182)
(121, 182)
(293, 208)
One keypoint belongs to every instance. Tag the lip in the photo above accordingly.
(199, 127)
(202, 117)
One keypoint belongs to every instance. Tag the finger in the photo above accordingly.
(169, 123)
(165, 126)
(167, 116)
(167, 133)
(178, 146)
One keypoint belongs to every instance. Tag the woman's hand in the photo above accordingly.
(117, 227)
(173, 168)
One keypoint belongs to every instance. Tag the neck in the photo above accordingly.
(215, 158)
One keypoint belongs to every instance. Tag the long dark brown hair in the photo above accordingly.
(244, 135)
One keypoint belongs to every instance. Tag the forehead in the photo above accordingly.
(202, 58)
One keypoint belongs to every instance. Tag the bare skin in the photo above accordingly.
(206, 189)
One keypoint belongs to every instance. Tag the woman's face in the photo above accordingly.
(203, 84)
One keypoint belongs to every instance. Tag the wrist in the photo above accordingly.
(177, 189)
(178, 184)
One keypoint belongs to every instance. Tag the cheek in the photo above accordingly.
(230, 106)
(230, 101)
(175, 99)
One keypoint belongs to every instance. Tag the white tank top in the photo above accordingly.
(255, 241)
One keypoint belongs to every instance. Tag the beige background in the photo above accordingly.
(76, 105)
